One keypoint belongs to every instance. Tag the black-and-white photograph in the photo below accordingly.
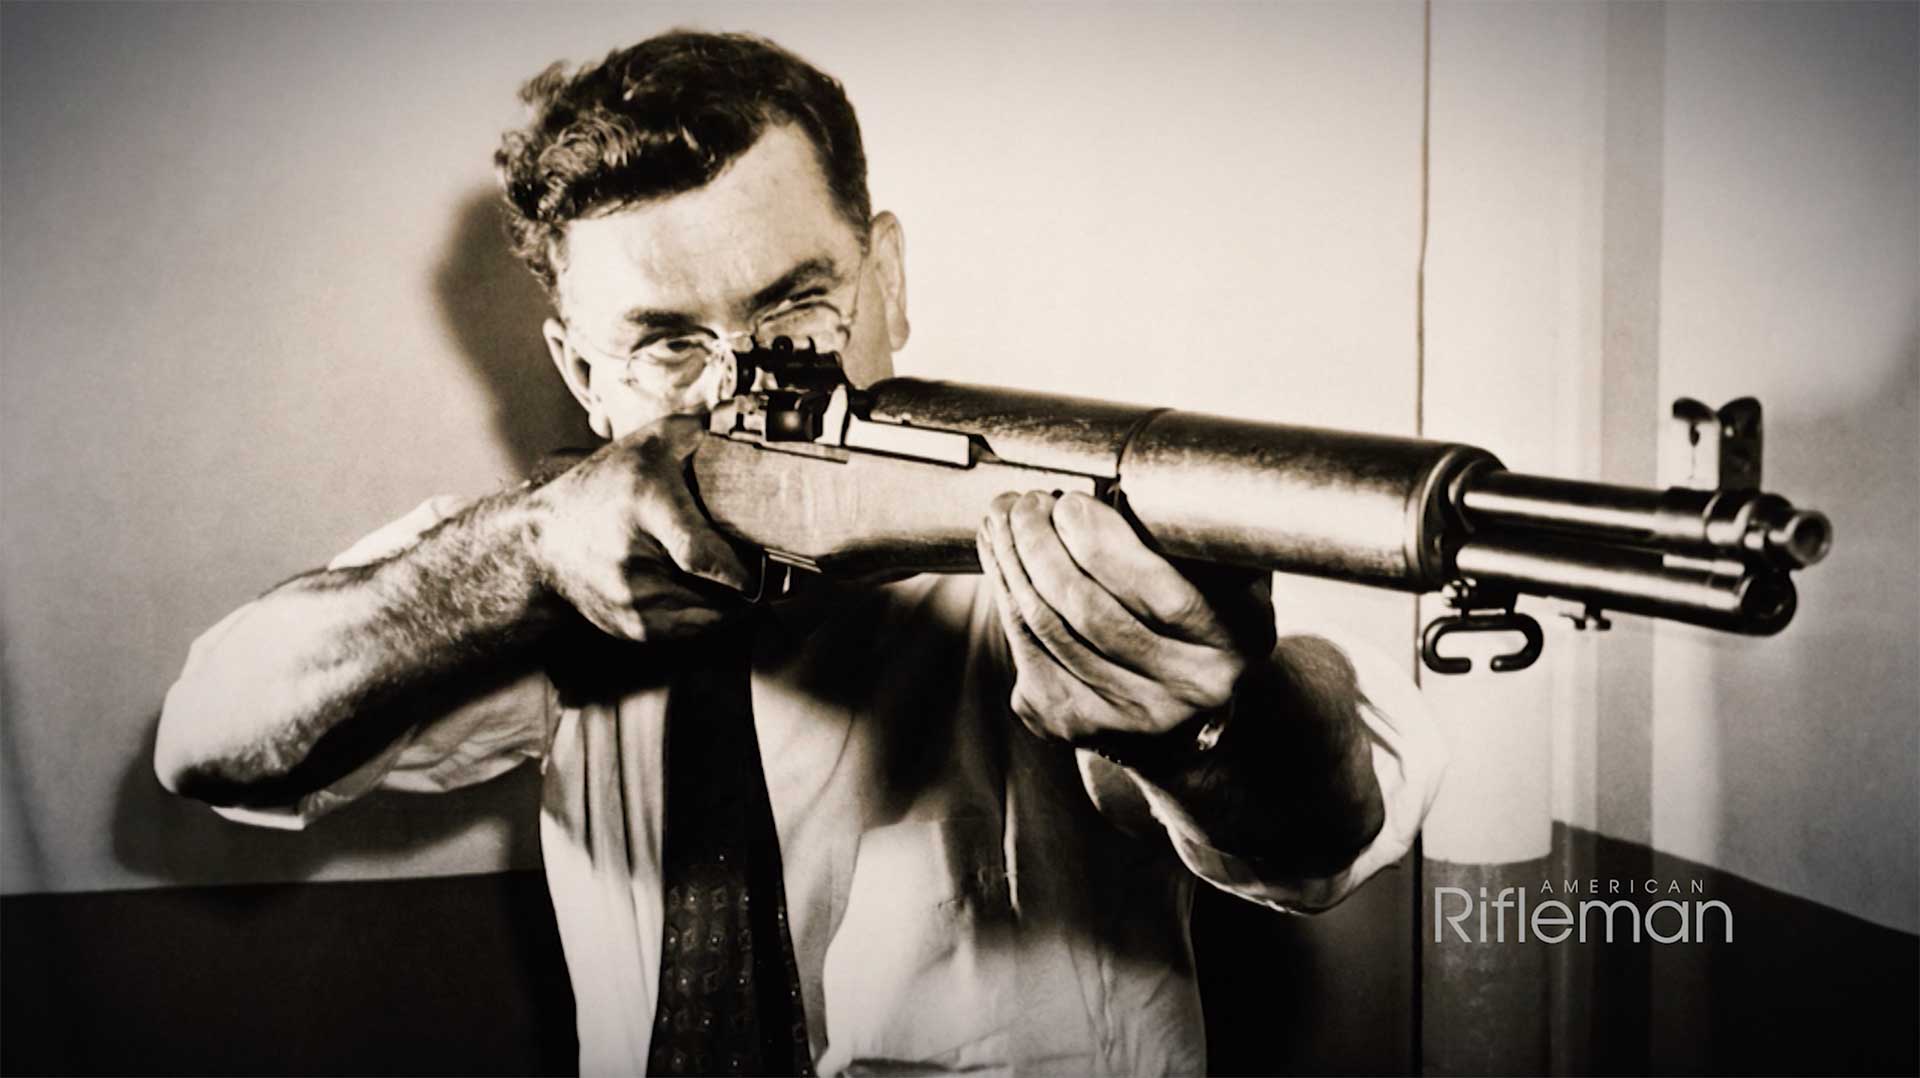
(905, 539)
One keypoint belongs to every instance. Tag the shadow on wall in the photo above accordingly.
(25, 854)
(494, 308)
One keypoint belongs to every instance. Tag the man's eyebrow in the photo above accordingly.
(649, 319)
(805, 272)
(820, 267)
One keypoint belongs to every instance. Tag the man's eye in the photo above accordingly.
(675, 349)
(802, 313)
(799, 301)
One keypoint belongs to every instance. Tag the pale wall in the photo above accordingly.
(1791, 271)
(1511, 343)
(255, 305)
(1634, 203)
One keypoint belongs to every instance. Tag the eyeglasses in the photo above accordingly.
(822, 320)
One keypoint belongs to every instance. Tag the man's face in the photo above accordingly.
(764, 233)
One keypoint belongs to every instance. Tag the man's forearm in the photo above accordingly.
(1291, 782)
(323, 671)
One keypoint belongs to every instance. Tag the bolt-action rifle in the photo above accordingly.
(895, 478)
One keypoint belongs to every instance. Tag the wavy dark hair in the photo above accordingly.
(662, 117)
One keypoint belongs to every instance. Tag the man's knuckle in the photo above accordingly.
(1081, 601)
(1184, 607)
(1083, 720)
(1224, 685)
(1129, 713)
(1023, 704)
(1128, 636)
(1050, 629)
(677, 542)
(618, 589)
(1073, 518)
(1214, 684)
(1031, 513)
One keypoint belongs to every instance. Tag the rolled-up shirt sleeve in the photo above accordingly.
(1409, 758)
(480, 739)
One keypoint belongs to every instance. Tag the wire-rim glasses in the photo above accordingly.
(823, 320)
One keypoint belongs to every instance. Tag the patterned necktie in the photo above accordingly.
(729, 999)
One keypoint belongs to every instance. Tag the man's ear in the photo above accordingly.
(888, 249)
(578, 374)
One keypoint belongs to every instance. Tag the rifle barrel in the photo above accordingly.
(1715, 523)
(1724, 594)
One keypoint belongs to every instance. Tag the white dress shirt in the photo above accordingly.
(961, 894)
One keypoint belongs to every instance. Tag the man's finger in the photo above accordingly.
(1192, 671)
(1093, 613)
(1103, 544)
(707, 554)
(1125, 691)
(1028, 655)
(1048, 700)
(665, 510)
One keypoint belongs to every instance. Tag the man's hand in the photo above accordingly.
(614, 535)
(1113, 645)
(1109, 638)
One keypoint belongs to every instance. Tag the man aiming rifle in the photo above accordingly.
(942, 822)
